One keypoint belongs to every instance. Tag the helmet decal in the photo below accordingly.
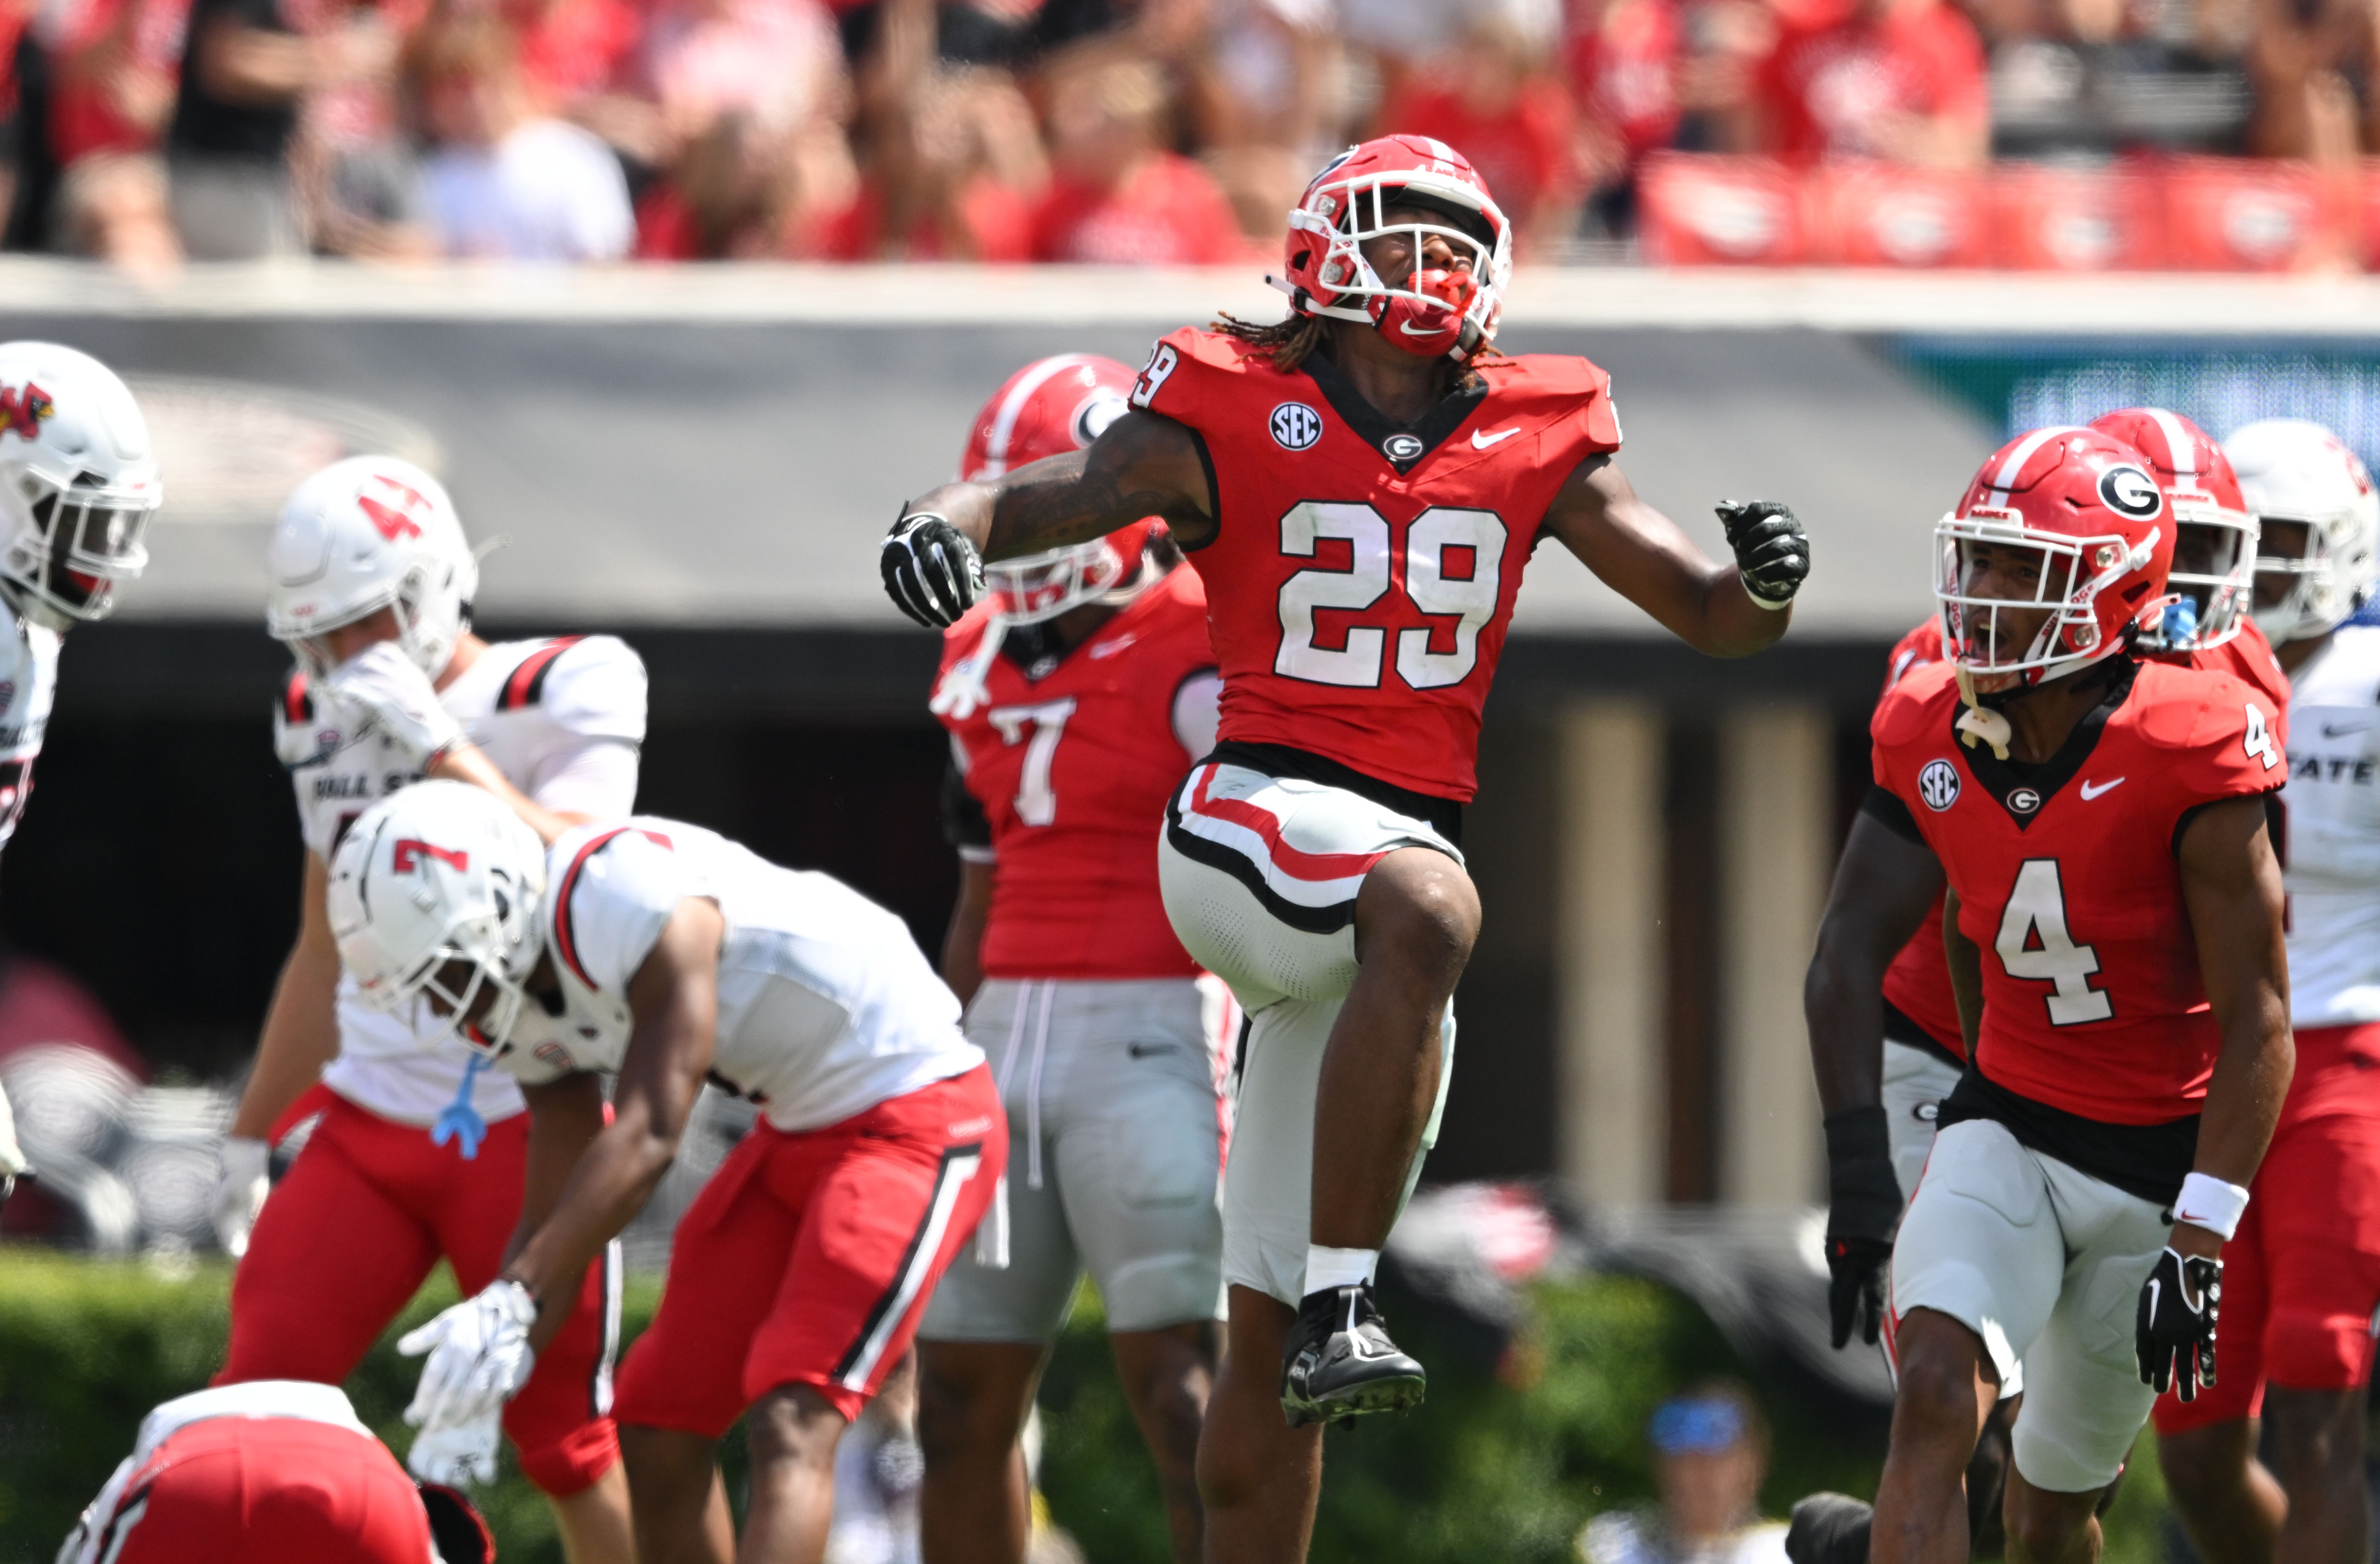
(22, 409)
(2128, 491)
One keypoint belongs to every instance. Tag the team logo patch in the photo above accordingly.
(1401, 447)
(1295, 426)
(1938, 785)
(2129, 492)
(2025, 800)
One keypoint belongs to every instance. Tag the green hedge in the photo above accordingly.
(1491, 1471)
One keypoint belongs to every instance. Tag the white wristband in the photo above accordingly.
(2209, 1202)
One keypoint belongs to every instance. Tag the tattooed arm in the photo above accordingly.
(1143, 464)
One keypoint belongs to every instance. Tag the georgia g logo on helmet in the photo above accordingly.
(2129, 492)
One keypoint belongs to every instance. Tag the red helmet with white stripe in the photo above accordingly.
(2213, 532)
(1050, 408)
(2068, 531)
(1436, 310)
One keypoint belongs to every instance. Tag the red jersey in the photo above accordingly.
(1071, 769)
(1918, 982)
(2067, 879)
(1362, 574)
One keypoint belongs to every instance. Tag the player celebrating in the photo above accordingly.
(2301, 1280)
(78, 486)
(2099, 821)
(1880, 1127)
(664, 954)
(1360, 486)
(418, 1154)
(1075, 696)
(271, 1472)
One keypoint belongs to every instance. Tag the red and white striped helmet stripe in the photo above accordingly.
(1012, 406)
(2004, 482)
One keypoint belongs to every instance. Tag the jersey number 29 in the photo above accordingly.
(2033, 943)
(1454, 564)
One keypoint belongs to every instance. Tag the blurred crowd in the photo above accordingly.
(1160, 131)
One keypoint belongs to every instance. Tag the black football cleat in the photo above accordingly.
(1339, 1361)
(1829, 1529)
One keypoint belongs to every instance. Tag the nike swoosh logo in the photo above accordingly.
(1110, 648)
(1480, 441)
(2341, 730)
(2092, 790)
(1407, 327)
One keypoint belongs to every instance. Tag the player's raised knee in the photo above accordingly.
(1423, 903)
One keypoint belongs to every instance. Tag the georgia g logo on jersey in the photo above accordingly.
(2129, 492)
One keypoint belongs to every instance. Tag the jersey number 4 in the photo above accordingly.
(1036, 800)
(1454, 564)
(2033, 943)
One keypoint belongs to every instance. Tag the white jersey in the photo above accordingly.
(28, 682)
(826, 1005)
(561, 719)
(2333, 837)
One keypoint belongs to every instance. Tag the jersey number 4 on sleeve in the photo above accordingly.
(1036, 800)
(2033, 943)
(1454, 563)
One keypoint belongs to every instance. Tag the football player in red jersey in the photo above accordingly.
(1878, 1147)
(1075, 697)
(2099, 821)
(2303, 1280)
(1359, 487)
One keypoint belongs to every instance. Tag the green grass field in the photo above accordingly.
(1497, 1469)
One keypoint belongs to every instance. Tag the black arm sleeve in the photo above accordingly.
(1891, 813)
(964, 824)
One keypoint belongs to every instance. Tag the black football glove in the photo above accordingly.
(1863, 1208)
(932, 572)
(2174, 1332)
(1771, 549)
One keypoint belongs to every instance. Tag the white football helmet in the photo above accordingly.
(363, 534)
(435, 874)
(78, 483)
(2294, 471)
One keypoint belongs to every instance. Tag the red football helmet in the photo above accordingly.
(2082, 506)
(1450, 312)
(1050, 408)
(2214, 532)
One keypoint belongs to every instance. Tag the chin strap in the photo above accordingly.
(1979, 723)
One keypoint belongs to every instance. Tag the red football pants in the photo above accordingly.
(2301, 1276)
(809, 1258)
(345, 1242)
(269, 1490)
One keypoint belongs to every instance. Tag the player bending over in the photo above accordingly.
(78, 486)
(418, 1153)
(1882, 1106)
(2099, 821)
(269, 1472)
(1359, 487)
(2302, 1279)
(664, 954)
(1075, 696)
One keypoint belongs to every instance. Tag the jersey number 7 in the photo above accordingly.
(2033, 945)
(1453, 565)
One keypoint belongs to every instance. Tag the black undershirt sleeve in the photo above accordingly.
(1891, 813)
(964, 824)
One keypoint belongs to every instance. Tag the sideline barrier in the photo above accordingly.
(2179, 213)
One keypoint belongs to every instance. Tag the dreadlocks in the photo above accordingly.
(1290, 341)
(1286, 342)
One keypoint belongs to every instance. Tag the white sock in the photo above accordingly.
(1327, 1267)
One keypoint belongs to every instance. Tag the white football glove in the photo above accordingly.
(456, 1453)
(239, 1194)
(479, 1355)
(383, 687)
